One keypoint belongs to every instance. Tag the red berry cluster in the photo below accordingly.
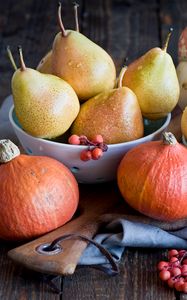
(95, 149)
(174, 271)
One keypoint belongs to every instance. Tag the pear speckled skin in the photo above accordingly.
(114, 114)
(45, 105)
(44, 65)
(153, 79)
(84, 65)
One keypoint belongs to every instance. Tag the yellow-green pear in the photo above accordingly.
(45, 105)
(87, 67)
(115, 114)
(44, 65)
(182, 77)
(153, 79)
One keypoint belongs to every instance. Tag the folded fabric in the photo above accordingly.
(122, 233)
(127, 231)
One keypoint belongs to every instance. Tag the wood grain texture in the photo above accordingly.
(124, 28)
(17, 283)
(138, 279)
(171, 15)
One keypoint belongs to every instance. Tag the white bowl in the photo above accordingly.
(184, 141)
(92, 171)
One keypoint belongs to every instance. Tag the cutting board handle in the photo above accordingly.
(48, 249)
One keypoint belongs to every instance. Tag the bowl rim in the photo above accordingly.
(142, 139)
(184, 140)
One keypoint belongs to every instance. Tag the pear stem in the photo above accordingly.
(9, 52)
(76, 16)
(167, 39)
(64, 33)
(23, 67)
(120, 78)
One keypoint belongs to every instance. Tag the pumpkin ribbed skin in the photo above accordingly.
(37, 195)
(152, 178)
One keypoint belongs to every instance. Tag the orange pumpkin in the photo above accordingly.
(152, 178)
(37, 194)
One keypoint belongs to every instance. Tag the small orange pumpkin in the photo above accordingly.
(152, 178)
(37, 194)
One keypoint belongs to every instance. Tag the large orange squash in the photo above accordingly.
(152, 178)
(37, 194)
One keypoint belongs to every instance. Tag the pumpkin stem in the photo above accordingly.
(169, 138)
(8, 151)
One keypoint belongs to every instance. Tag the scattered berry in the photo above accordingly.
(96, 153)
(97, 144)
(98, 139)
(162, 265)
(178, 286)
(172, 253)
(174, 271)
(174, 261)
(164, 275)
(74, 139)
(184, 262)
(171, 281)
(86, 155)
(184, 270)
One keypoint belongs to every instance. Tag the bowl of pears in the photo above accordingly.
(74, 108)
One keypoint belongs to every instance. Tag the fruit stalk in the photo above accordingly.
(167, 39)
(11, 58)
(8, 151)
(76, 17)
(23, 67)
(120, 78)
(64, 33)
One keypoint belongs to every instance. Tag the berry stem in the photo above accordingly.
(23, 67)
(184, 255)
(9, 52)
(64, 33)
(76, 16)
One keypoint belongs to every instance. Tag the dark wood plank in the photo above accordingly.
(172, 14)
(34, 26)
(123, 28)
(135, 28)
(17, 283)
(138, 280)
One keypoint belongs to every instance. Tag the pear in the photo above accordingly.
(115, 114)
(87, 67)
(182, 77)
(153, 79)
(184, 124)
(44, 65)
(182, 68)
(45, 105)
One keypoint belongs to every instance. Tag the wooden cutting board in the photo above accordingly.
(98, 204)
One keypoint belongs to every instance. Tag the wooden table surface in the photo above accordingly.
(125, 29)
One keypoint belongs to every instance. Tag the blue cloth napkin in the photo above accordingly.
(119, 233)
(124, 233)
